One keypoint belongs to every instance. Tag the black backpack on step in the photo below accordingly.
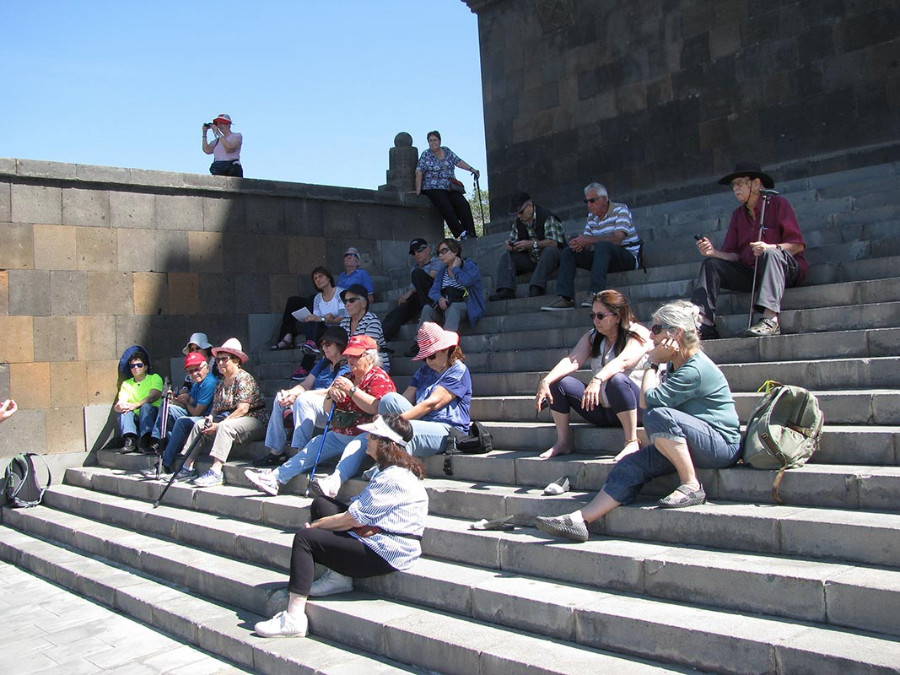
(20, 484)
(477, 442)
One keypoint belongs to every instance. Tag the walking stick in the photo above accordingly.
(480, 204)
(164, 424)
(188, 455)
(312, 474)
(765, 194)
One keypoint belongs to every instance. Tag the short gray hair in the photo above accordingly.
(375, 355)
(681, 314)
(599, 188)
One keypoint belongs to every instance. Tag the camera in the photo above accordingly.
(511, 242)
(207, 125)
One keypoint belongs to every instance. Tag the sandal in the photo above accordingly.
(282, 344)
(683, 496)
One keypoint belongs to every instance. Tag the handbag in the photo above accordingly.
(457, 185)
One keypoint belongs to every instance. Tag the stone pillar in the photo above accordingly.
(401, 173)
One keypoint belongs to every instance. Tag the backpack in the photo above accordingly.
(477, 442)
(783, 431)
(20, 485)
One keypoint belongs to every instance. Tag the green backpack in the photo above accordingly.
(783, 431)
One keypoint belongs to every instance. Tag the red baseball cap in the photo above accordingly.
(359, 344)
(193, 359)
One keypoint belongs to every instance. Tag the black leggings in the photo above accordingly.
(455, 210)
(336, 550)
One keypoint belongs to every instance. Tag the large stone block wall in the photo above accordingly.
(94, 259)
(649, 94)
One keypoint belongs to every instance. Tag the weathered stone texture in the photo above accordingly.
(95, 248)
(55, 247)
(29, 384)
(55, 338)
(132, 209)
(96, 337)
(17, 251)
(17, 345)
(68, 383)
(36, 204)
(85, 207)
(205, 251)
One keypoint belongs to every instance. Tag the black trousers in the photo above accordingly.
(336, 550)
(454, 209)
(776, 271)
(409, 310)
(289, 325)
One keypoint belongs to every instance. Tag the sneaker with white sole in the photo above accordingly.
(330, 583)
(563, 526)
(283, 625)
(589, 300)
(209, 479)
(559, 305)
(165, 474)
(264, 481)
(185, 474)
(327, 486)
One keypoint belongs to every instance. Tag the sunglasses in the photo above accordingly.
(592, 200)
(442, 251)
(222, 359)
(326, 343)
(657, 328)
(421, 248)
(350, 301)
(431, 357)
(599, 315)
(136, 364)
(350, 255)
(191, 371)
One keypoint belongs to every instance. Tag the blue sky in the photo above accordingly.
(319, 88)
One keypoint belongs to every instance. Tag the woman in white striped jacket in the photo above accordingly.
(379, 533)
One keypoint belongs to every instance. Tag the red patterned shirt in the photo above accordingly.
(376, 383)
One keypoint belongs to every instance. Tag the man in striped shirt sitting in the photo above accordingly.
(609, 243)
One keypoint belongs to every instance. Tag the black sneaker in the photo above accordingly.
(270, 459)
(708, 332)
(130, 445)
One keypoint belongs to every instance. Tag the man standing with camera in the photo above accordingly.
(534, 245)
(225, 147)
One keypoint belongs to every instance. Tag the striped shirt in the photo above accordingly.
(370, 325)
(396, 501)
(618, 217)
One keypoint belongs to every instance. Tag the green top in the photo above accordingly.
(132, 392)
(699, 388)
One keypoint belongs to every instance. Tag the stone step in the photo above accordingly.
(865, 487)
(852, 445)
(822, 374)
(401, 632)
(872, 407)
(810, 590)
(220, 630)
(865, 537)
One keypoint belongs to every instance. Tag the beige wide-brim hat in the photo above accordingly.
(232, 346)
(378, 427)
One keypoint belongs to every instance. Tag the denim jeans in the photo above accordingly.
(707, 448)
(428, 437)
(309, 413)
(335, 444)
(605, 257)
(140, 422)
(176, 412)
(179, 433)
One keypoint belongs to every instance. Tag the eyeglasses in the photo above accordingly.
(740, 182)
(442, 251)
(222, 359)
(326, 343)
(136, 364)
(599, 315)
(657, 328)
(350, 301)
(191, 371)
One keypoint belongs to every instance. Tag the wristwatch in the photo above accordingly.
(778, 246)
(535, 246)
(653, 366)
(353, 390)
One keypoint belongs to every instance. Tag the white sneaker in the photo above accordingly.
(264, 481)
(283, 625)
(330, 583)
(327, 486)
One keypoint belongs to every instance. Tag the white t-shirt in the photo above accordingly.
(219, 152)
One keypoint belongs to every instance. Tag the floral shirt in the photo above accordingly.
(243, 389)
(376, 383)
(436, 173)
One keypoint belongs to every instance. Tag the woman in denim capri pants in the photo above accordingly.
(690, 420)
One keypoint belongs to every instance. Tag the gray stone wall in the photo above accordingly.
(650, 94)
(94, 259)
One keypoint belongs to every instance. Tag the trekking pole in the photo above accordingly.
(765, 194)
(312, 474)
(480, 204)
(164, 424)
(187, 456)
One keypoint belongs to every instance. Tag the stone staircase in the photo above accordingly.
(738, 585)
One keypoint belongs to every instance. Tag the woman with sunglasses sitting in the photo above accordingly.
(436, 401)
(378, 533)
(360, 321)
(690, 420)
(139, 399)
(615, 348)
(456, 292)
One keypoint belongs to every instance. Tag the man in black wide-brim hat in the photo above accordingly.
(777, 255)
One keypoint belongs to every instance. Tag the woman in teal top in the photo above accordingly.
(690, 420)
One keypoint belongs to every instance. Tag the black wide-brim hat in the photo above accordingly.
(750, 169)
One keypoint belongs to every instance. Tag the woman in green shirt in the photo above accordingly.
(138, 401)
